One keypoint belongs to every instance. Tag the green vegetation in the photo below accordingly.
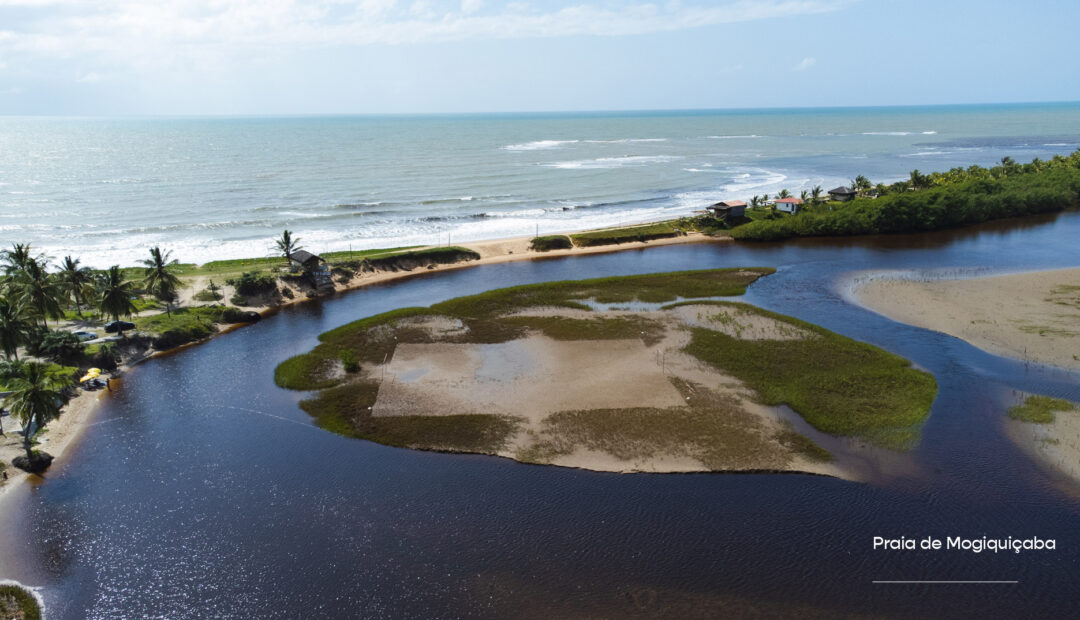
(839, 385)
(959, 197)
(36, 398)
(1041, 409)
(251, 283)
(552, 242)
(414, 258)
(616, 328)
(16, 602)
(186, 325)
(645, 232)
(346, 410)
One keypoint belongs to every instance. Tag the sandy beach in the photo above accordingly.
(58, 435)
(1030, 316)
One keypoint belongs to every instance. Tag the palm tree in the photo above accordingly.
(38, 288)
(15, 324)
(755, 201)
(784, 194)
(816, 193)
(287, 244)
(36, 399)
(159, 280)
(116, 294)
(804, 196)
(16, 258)
(74, 280)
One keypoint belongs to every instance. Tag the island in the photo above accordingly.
(649, 373)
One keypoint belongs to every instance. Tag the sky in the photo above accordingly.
(236, 57)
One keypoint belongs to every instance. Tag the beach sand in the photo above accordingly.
(1029, 316)
(1055, 445)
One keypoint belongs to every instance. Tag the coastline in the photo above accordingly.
(1032, 316)
(59, 434)
(76, 415)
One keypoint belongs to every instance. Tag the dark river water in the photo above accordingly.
(201, 490)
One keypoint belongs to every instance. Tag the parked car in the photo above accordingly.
(85, 335)
(118, 326)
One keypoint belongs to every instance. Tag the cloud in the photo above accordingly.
(89, 78)
(117, 36)
(805, 64)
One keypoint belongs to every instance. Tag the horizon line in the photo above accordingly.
(510, 113)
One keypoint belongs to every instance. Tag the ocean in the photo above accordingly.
(106, 189)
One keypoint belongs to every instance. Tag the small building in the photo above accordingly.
(788, 205)
(841, 194)
(728, 209)
(313, 264)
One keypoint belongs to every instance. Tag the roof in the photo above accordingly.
(789, 201)
(728, 203)
(841, 190)
(304, 257)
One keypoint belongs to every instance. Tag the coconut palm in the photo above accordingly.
(15, 325)
(115, 294)
(816, 193)
(36, 399)
(804, 196)
(38, 288)
(15, 259)
(287, 244)
(74, 279)
(159, 280)
(784, 194)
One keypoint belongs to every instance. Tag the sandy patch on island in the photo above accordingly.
(531, 377)
(1055, 445)
(1030, 316)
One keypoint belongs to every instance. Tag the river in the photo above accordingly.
(201, 490)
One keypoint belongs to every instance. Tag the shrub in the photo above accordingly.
(183, 335)
(287, 293)
(553, 242)
(106, 356)
(238, 300)
(251, 283)
(208, 295)
(60, 346)
(349, 360)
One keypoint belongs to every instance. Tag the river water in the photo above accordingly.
(201, 490)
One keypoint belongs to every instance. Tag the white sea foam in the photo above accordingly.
(928, 133)
(1056, 144)
(627, 140)
(753, 135)
(612, 162)
(886, 133)
(538, 145)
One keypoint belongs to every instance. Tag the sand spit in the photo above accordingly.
(1030, 316)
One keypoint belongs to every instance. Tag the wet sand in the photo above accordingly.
(1030, 316)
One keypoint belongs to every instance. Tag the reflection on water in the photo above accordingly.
(202, 490)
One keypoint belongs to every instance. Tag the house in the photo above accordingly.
(727, 209)
(841, 194)
(313, 264)
(788, 205)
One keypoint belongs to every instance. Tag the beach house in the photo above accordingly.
(788, 205)
(841, 194)
(728, 209)
(312, 264)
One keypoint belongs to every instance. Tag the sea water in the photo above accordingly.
(106, 189)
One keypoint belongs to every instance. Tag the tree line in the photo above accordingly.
(958, 197)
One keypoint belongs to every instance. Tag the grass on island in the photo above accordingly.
(314, 370)
(187, 324)
(16, 602)
(345, 410)
(1041, 409)
(839, 385)
(551, 242)
(645, 232)
(714, 429)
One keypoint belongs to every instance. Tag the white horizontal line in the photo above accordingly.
(931, 581)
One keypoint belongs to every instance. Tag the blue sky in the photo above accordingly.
(116, 57)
